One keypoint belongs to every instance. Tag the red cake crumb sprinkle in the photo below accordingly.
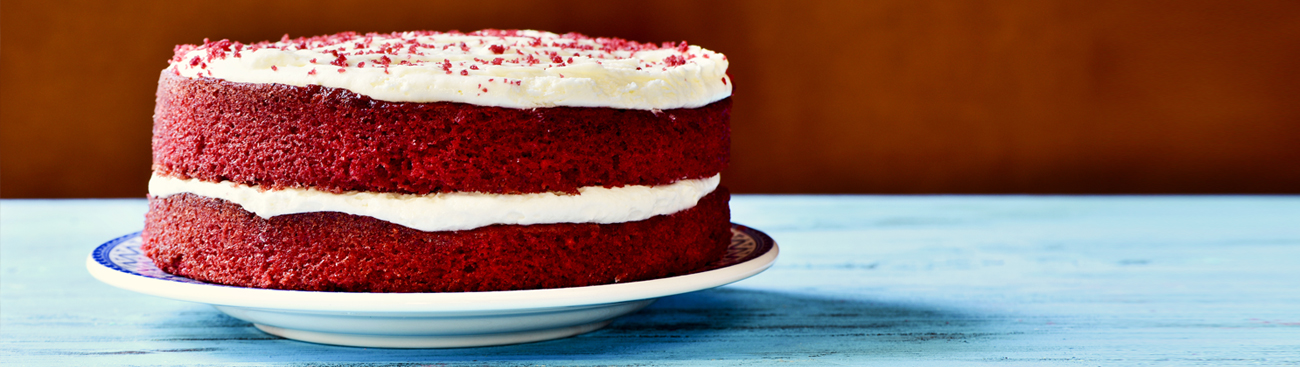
(340, 60)
(674, 60)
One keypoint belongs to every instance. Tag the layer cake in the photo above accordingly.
(432, 162)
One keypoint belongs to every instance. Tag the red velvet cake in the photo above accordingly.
(435, 162)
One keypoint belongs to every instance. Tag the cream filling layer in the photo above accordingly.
(456, 211)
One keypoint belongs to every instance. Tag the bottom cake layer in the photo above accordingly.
(218, 241)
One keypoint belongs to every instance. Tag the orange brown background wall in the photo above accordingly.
(890, 96)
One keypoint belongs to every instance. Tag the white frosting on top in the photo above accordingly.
(456, 211)
(516, 69)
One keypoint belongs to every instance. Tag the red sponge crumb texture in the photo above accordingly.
(217, 241)
(275, 136)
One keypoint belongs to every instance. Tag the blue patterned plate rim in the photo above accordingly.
(124, 254)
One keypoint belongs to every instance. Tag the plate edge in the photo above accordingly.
(216, 294)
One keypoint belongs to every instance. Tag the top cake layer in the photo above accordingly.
(514, 69)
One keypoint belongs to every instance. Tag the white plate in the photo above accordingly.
(427, 320)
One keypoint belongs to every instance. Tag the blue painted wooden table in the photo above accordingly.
(911, 280)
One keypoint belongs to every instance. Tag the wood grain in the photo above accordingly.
(893, 96)
(861, 280)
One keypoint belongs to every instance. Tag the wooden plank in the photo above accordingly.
(861, 279)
